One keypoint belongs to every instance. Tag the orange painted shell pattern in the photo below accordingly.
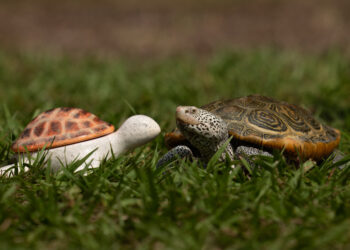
(59, 127)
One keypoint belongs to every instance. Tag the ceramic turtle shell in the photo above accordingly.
(59, 127)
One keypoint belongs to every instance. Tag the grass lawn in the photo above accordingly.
(128, 203)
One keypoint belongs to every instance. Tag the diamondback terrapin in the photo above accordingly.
(70, 134)
(258, 125)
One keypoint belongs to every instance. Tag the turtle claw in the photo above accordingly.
(174, 154)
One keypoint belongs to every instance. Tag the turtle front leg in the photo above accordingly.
(249, 152)
(175, 153)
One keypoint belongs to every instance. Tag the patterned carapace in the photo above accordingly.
(268, 123)
(59, 127)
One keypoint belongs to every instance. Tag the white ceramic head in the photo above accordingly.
(137, 130)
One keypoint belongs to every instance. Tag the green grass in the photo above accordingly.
(127, 203)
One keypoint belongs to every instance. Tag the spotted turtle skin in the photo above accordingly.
(266, 123)
(59, 127)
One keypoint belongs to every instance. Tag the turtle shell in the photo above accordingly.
(271, 124)
(59, 127)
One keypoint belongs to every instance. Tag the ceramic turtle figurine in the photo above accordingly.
(69, 134)
(257, 124)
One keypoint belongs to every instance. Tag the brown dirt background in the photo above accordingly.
(155, 27)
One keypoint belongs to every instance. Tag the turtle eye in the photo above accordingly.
(193, 111)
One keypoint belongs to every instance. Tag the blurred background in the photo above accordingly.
(156, 28)
(115, 58)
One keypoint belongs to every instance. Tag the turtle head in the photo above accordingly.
(136, 131)
(200, 127)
